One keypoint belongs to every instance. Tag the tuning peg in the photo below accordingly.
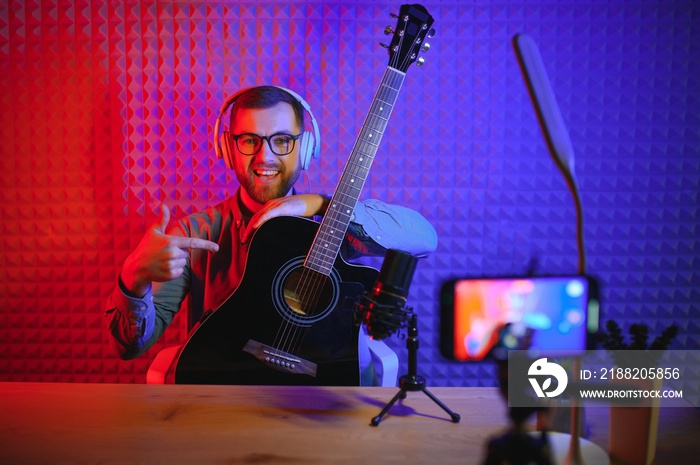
(383, 45)
(388, 30)
(425, 47)
(420, 61)
(393, 15)
(431, 33)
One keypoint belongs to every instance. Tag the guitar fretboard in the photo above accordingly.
(326, 244)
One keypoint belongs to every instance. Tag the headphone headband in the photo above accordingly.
(310, 143)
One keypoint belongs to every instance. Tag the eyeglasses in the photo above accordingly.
(280, 144)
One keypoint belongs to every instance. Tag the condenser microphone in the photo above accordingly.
(383, 310)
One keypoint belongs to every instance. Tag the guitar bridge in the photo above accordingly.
(279, 359)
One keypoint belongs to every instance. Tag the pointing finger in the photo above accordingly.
(194, 243)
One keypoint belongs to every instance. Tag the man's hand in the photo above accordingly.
(293, 205)
(159, 257)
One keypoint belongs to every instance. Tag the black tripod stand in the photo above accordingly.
(412, 381)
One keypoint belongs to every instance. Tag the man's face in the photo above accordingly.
(264, 175)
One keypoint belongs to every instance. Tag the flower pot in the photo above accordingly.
(633, 430)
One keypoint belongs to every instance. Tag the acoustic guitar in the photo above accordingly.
(290, 320)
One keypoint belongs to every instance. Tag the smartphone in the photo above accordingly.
(549, 315)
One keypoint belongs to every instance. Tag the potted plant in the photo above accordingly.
(633, 430)
(613, 340)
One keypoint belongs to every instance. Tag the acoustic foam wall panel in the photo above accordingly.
(108, 110)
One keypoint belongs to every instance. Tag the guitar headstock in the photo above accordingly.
(412, 27)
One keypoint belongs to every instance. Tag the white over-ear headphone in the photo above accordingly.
(309, 143)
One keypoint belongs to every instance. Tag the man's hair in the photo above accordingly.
(262, 97)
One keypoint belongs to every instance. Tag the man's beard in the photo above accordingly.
(262, 193)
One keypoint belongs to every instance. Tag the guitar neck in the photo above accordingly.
(326, 244)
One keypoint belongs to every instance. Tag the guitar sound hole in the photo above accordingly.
(307, 292)
(303, 296)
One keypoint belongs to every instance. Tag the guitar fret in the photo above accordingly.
(372, 144)
(334, 234)
(319, 267)
(353, 178)
(358, 172)
(348, 197)
(341, 219)
(351, 190)
(377, 124)
(360, 154)
(350, 179)
(325, 254)
(345, 198)
(322, 257)
(366, 149)
(331, 240)
(345, 216)
(339, 206)
(336, 228)
(381, 101)
(385, 120)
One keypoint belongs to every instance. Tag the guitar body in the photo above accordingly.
(283, 332)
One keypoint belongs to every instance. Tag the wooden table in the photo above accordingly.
(171, 424)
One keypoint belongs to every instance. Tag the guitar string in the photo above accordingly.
(307, 291)
(309, 288)
(290, 330)
(288, 339)
(309, 294)
(310, 302)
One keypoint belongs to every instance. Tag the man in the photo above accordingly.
(204, 255)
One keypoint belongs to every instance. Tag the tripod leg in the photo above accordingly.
(455, 416)
(399, 395)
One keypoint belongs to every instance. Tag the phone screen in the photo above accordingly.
(546, 314)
